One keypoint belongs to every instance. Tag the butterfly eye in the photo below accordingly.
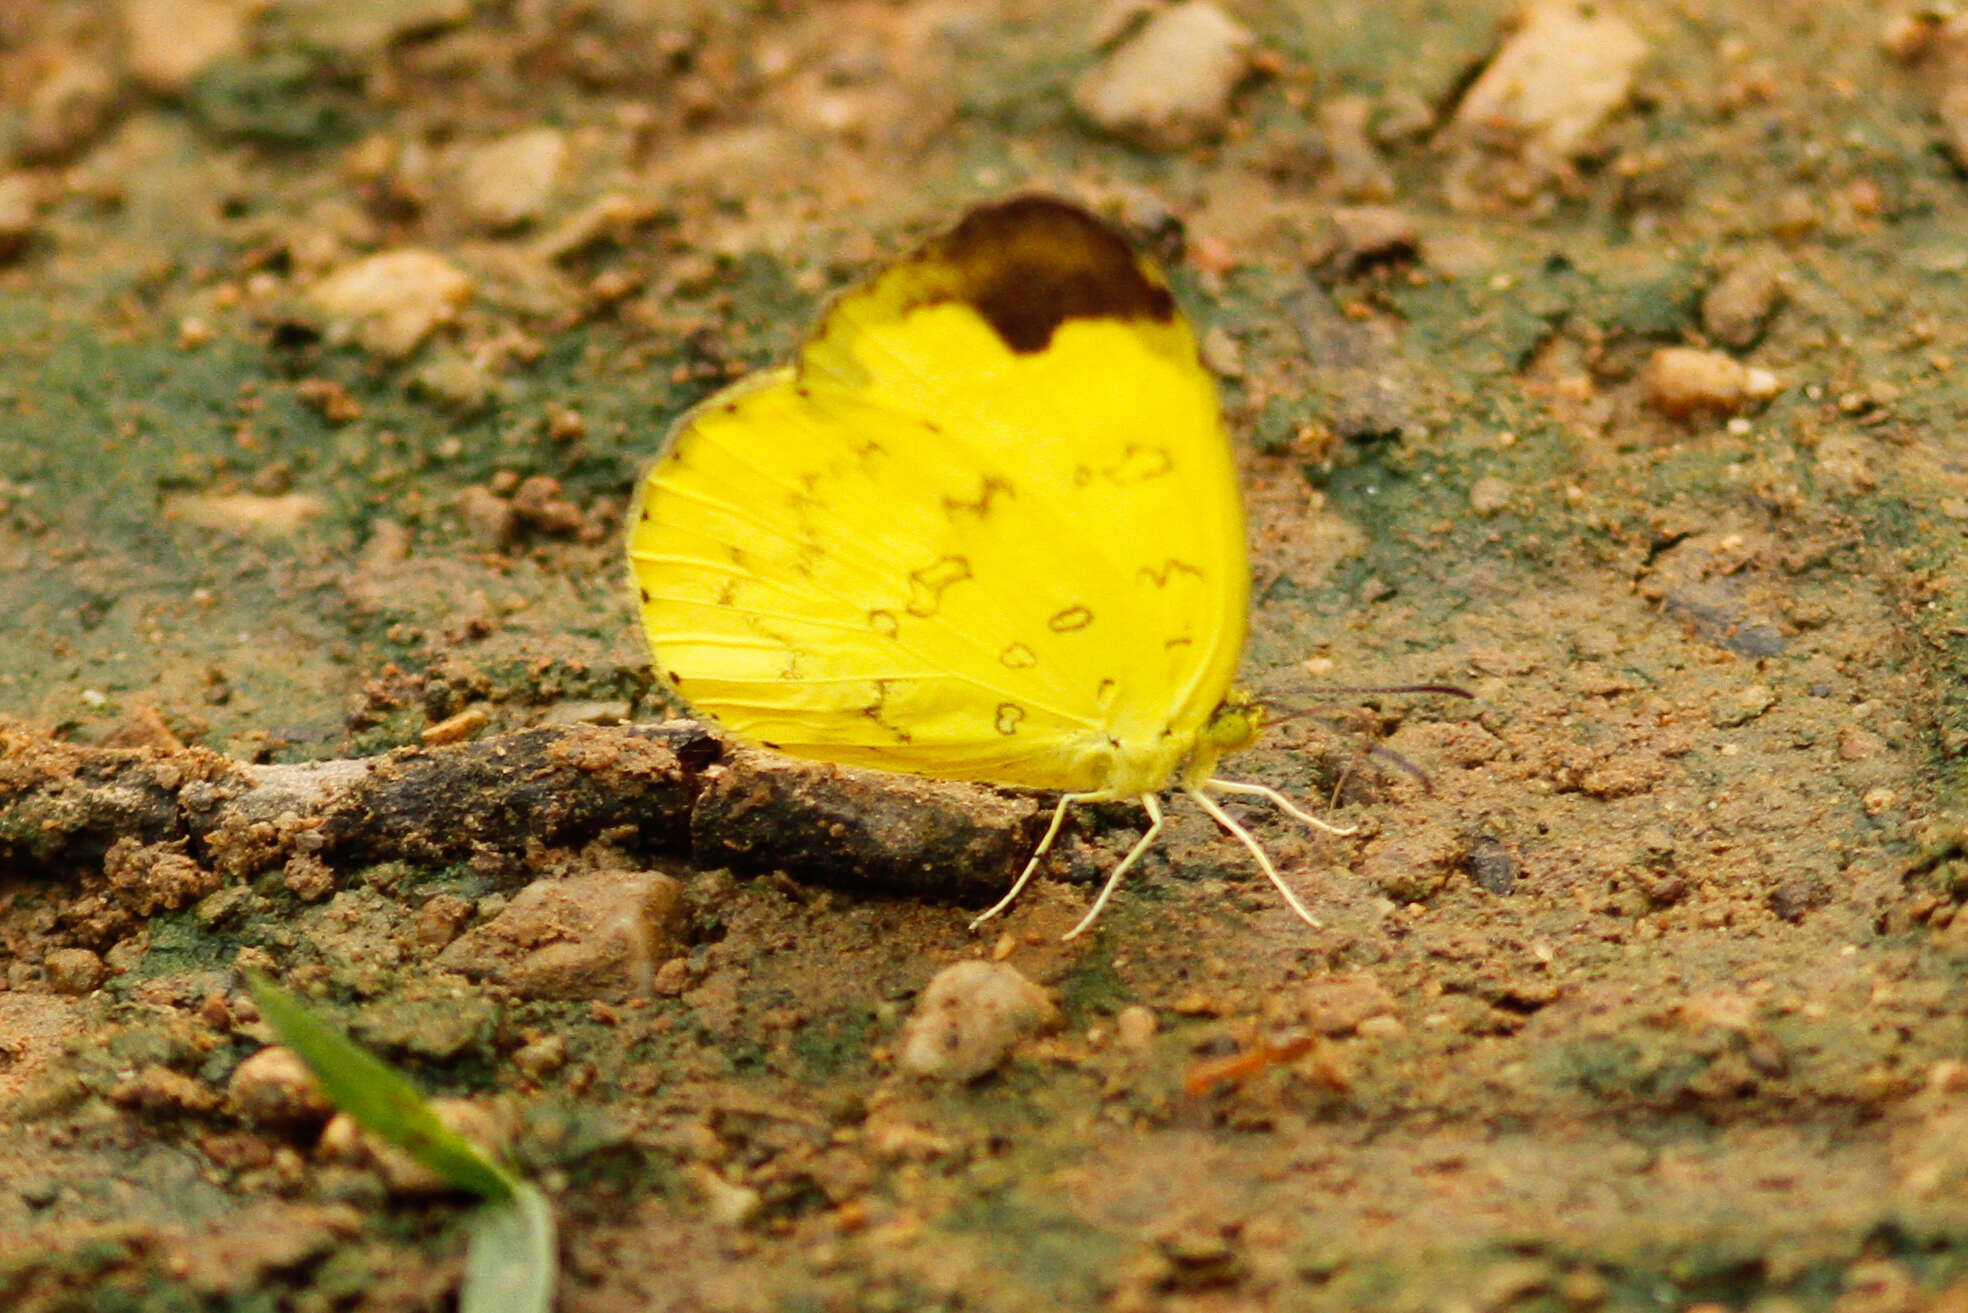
(1234, 725)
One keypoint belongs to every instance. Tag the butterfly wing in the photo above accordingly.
(984, 526)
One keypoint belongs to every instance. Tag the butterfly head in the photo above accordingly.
(1232, 727)
(1235, 723)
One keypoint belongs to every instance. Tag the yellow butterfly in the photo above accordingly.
(983, 526)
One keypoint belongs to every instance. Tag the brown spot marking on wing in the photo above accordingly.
(877, 711)
(1071, 619)
(1017, 656)
(927, 584)
(1029, 264)
(1139, 464)
(988, 491)
(1009, 714)
(1160, 578)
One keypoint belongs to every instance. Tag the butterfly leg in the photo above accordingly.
(1230, 823)
(1281, 802)
(1153, 806)
(1038, 854)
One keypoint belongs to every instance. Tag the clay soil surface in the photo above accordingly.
(1603, 363)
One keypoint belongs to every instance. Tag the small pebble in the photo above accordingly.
(1169, 85)
(1539, 105)
(441, 918)
(1341, 1004)
(1908, 36)
(1492, 865)
(1566, 70)
(362, 32)
(343, 1141)
(488, 516)
(18, 214)
(1134, 1027)
(73, 971)
(247, 514)
(464, 381)
(1222, 353)
(541, 1057)
(168, 43)
(389, 303)
(728, 1204)
(968, 1018)
(1951, 108)
(144, 726)
(456, 728)
(388, 544)
(1370, 234)
(593, 936)
(607, 216)
(1683, 381)
(307, 877)
(588, 711)
(1857, 743)
(1414, 869)
(66, 112)
(274, 1088)
(1794, 899)
(539, 504)
(158, 1089)
(1490, 494)
(334, 402)
(1738, 307)
(1742, 706)
(146, 878)
(1358, 171)
(1794, 214)
(505, 183)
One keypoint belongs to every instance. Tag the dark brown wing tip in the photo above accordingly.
(1033, 262)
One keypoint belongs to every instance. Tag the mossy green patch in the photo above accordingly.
(836, 1041)
(294, 99)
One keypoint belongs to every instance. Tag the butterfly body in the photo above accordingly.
(984, 525)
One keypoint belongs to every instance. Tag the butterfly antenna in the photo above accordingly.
(1388, 755)
(1413, 771)
(1279, 717)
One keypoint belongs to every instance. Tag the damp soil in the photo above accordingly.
(1640, 983)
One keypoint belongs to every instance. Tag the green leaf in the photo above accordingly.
(379, 1097)
(513, 1259)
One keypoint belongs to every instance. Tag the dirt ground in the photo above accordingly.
(1605, 363)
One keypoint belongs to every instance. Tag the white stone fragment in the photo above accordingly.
(968, 1018)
